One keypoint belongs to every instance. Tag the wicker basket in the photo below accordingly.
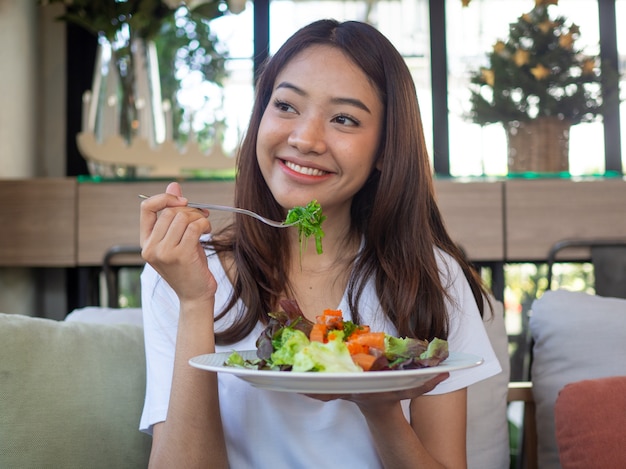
(540, 145)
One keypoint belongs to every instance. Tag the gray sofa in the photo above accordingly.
(71, 394)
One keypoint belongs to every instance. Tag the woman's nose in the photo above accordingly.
(308, 136)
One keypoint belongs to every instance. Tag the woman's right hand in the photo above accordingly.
(169, 237)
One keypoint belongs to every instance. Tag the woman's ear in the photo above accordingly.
(379, 163)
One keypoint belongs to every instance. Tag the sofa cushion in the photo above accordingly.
(102, 315)
(487, 426)
(590, 421)
(71, 394)
(576, 336)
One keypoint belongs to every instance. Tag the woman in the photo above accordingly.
(335, 120)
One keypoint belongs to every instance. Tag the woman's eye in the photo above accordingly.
(283, 106)
(346, 120)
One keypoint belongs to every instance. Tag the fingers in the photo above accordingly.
(436, 380)
(174, 233)
(371, 399)
(423, 388)
(174, 189)
(168, 229)
(175, 252)
(170, 233)
(325, 397)
(155, 204)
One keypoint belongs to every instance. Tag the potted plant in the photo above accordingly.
(141, 44)
(538, 84)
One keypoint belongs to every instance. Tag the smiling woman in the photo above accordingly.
(335, 120)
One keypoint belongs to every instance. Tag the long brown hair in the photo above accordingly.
(395, 212)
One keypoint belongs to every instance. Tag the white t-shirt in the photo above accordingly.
(272, 429)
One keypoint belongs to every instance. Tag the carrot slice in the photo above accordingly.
(354, 347)
(364, 360)
(332, 318)
(318, 333)
(361, 330)
(332, 312)
(371, 339)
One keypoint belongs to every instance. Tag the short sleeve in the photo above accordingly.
(467, 332)
(160, 320)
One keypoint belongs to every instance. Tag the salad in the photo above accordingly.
(291, 342)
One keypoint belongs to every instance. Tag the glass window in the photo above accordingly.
(471, 33)
(620, 13)
(236, 32)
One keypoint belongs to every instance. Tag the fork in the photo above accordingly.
(243, 211)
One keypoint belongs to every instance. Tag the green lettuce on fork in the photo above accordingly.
(309, 222)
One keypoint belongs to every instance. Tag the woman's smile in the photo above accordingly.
(306, 170)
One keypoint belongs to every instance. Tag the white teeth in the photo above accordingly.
(304, 170)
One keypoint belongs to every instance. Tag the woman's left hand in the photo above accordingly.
(378, 400)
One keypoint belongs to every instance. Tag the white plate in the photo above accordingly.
(333, 383)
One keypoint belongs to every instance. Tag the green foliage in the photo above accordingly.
(186, 41)
(182, 36)
(538, 71)
(108, 17)
(130, 287)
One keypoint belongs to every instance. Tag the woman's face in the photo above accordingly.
(319, 135)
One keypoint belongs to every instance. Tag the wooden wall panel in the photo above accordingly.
(473, 214)
(58, 222)
(541, 212)
(37, 222)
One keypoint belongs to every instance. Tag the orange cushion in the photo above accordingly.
(590, 420)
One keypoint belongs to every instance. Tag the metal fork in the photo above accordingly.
(243, 211)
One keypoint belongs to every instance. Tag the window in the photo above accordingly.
(620, 12)
(471, 34)
(236, 31)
